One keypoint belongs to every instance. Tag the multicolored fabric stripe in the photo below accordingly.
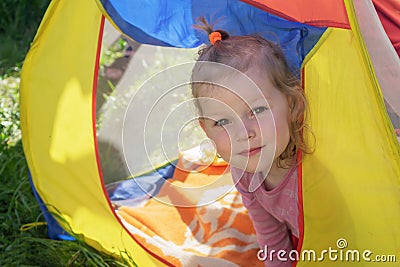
(170, 23)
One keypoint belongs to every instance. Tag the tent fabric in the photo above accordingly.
(388, 12)
(199, 235)
(54, 230)
(58, 137)
(354, 171)
(170, 23)
(381, 52)
(316, 13)
(349, 187)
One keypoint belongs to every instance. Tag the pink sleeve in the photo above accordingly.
(271, 234)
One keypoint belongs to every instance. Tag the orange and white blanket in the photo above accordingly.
(197, 219)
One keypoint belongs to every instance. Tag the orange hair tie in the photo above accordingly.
(214, 36)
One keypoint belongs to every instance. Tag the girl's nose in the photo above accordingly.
(247, 130)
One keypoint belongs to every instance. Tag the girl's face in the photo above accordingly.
(249, 125)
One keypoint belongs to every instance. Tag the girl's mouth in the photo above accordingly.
(251, 152)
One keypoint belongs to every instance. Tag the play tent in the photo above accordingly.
(349, 187)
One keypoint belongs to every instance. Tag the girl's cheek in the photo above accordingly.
(223, 140)
(267, 128)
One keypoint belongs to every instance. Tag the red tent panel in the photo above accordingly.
(327, 13)
(389, 14)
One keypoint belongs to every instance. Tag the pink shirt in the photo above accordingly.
(274, 213)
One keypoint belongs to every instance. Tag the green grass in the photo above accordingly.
(19, 20)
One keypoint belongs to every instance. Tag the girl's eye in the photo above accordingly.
(222, 122)
(258, 110)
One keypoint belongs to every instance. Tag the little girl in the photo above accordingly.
(259, 132)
